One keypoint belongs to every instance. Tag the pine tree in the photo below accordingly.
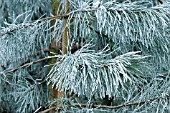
(84, 56)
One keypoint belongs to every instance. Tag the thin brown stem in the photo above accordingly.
(27, 64)
(125, 104)
(34, 54)
(119, 106)
(65, 16)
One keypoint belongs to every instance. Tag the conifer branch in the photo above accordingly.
(34, 54)
(66, 16)
(28, 64)
(125, 104)
(115, 107)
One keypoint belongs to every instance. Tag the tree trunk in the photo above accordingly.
(55, 46)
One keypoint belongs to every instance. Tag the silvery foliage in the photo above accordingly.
(15, 15)
(141, 25)
(146, 28)
(89, 73)
(128, 27)
(20, 91)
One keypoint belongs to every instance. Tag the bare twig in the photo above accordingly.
(125, 104)
(34, 54)
(114, 107)
(28, 64)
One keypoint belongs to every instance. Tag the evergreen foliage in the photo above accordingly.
(122, 63)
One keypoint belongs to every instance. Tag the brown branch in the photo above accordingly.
(125, 104)
(27, 64)
(34, 54)
(66, 16)
(115, 107)
(33, 23)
